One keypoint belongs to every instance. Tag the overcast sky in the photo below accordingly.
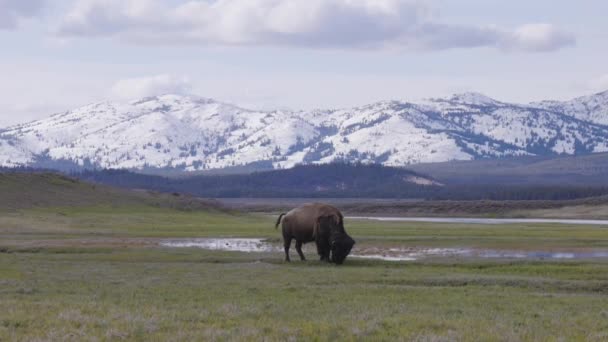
(299, 54)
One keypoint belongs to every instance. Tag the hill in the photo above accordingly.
(326, 180)
(20, 190)
(189, 133)
(35, 189)
(584, 170)
(339, 181)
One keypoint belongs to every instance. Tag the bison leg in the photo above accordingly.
(299, 249)
(287, 244)
(323, 248)
(319, 249)
(326, 253)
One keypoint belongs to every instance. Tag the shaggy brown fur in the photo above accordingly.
(311, 222)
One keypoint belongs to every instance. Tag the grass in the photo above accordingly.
(35, 190)
(152, 222)
(575, 211)
(584, 208)
(79, 274)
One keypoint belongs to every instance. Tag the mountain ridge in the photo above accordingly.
(193, 133)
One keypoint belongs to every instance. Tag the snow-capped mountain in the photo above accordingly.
(193, 133)
(592, 108)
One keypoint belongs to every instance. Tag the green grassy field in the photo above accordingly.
(97, 273)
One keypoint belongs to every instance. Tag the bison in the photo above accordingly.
(317, 222)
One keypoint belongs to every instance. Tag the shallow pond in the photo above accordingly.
(255, 245)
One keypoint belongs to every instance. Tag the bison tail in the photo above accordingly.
(279, 221)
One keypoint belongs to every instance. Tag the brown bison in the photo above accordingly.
(317, 222)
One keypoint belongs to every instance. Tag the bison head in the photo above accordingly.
(341, 244)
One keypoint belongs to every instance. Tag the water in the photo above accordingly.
(257, 245)
(222, 244)
(474, 220)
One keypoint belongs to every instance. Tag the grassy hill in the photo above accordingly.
(509, 179)
(29, 190)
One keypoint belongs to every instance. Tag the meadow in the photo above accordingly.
(98, 273)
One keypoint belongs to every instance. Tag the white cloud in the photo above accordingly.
(400, 24)
(538, 38)
(135, 88)
(13, 10)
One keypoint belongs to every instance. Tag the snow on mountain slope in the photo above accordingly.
(593, 108)
(13, 153)
(193, 133)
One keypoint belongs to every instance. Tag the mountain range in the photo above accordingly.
(190, 133)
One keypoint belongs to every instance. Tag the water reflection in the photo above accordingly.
(258, 245)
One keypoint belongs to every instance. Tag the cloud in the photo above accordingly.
(538, 38)
(135, 88)
(108, 17)
(342, 24)
(13, 10)
(441, 37)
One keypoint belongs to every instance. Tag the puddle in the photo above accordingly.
(409, 254)
(543, 255)
(225, 244)
(388, 254)
(476, 220)
(412, 254)
(383, 257)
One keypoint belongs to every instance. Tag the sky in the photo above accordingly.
(296, 54)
